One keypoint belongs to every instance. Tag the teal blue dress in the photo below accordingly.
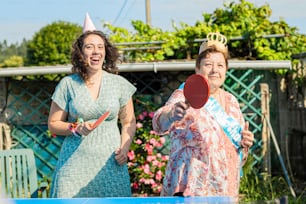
(86, 165)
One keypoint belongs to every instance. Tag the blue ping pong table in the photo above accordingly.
(132, 200)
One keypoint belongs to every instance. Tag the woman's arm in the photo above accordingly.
(162, 120)
(174, 110)
(247, 141)
(57, 121)
(165, 116)
(128, 122)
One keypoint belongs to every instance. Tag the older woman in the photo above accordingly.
(204, 160)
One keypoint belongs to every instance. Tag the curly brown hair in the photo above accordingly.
(79, 64)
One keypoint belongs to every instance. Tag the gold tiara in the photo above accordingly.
(216, 39)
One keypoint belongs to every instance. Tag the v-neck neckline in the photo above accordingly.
(99, 91)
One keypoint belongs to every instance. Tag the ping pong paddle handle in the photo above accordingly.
(101, 119)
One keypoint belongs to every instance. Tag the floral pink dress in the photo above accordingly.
(202, 161)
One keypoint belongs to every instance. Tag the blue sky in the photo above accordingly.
(23, 18)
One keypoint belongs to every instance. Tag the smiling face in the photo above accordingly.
(94, 52)
(213, 67)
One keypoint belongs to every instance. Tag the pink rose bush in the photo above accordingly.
(146, 162)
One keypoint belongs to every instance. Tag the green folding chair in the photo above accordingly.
(19, 175)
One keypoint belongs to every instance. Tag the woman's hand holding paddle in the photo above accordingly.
(178, 111)
(196, 92)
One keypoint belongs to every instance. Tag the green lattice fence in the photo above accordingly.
(29, 101)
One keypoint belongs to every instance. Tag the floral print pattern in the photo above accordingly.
(202, 161)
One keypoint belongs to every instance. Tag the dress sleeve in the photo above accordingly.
(61, 95)
(127, 91)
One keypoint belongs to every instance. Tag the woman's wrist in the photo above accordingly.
(73, 129)
(170, 117)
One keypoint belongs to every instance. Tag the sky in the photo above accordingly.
(21, 19)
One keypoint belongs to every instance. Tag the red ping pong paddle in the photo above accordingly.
(196, 91)
(101, 119)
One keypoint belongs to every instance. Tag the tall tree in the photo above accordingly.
(52, 44)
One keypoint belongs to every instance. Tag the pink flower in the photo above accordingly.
(135, 185)
(152, 132)
(140, 117)
(159, 175)
(138, 141)
(149, 148)
(153, 141)
(145, 113)
(150, 158)
(162, 140)
(165, 157)
(146, 169)
(147, 181)
(154, 185)
(131, 155)
(142, 180)
(139, 125)
(155, 163)
(157, 144)
(152, 181)
(159, 188)
(161, 164)
(151, 114)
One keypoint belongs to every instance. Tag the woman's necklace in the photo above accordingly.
(93, 86)
(93, 81)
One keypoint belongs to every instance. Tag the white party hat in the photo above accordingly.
(88, 24)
